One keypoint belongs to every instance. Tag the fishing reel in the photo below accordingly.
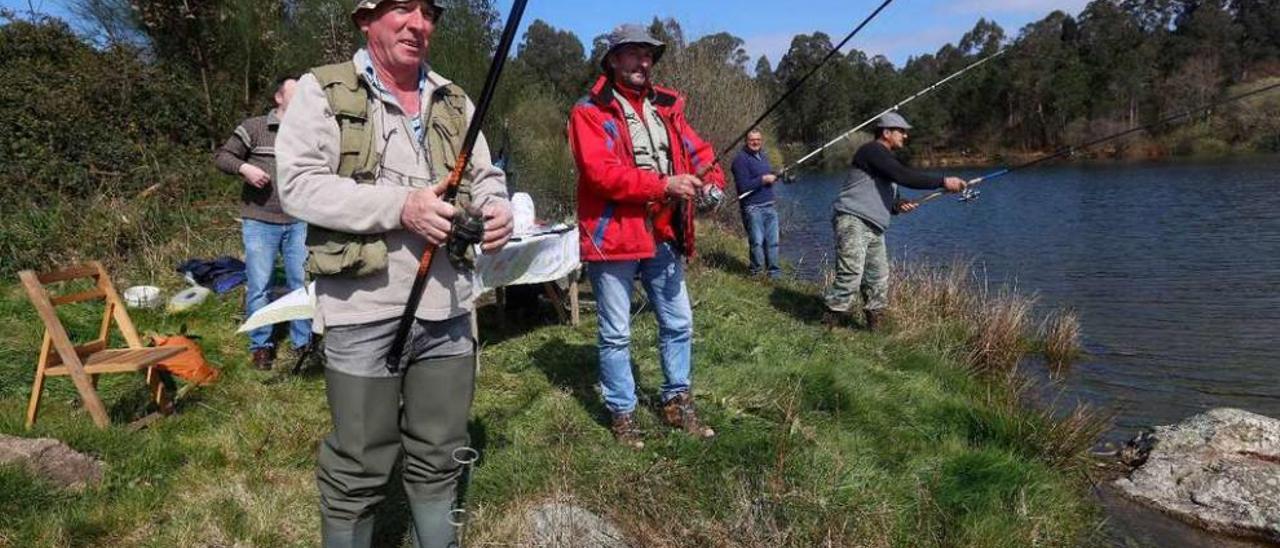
(709, 199)
(468, 230)
(969, 195)
(786, 177)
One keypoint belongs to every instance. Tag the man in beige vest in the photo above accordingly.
(362, 153)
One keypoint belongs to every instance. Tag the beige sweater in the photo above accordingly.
(307, 151)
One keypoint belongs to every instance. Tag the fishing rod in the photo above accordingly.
(455, 180)
(1071, 150)
(893, 108)
(936, 85)
(790, 91)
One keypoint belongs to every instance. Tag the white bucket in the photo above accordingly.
(522, 210)
(142, 296)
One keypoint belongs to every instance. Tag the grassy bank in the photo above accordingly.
(827, 438)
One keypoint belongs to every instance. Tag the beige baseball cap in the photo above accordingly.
(373, 4)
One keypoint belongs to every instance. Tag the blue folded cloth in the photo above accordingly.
(221, 275)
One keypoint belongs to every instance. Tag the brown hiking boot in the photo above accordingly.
(625, 431)
(875, 320)
(263, 359)
(679, 412)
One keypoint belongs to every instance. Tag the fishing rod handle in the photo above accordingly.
(938, 193)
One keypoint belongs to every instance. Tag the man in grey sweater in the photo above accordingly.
(268, 231)
(363, 152)
(863, 211)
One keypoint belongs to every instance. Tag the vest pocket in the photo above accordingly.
(333, 253)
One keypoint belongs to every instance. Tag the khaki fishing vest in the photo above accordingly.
(333, 253)
(649, 138)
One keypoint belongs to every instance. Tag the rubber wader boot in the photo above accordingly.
(345, 534)
(437, 404)
(356, 460)
(431, 524)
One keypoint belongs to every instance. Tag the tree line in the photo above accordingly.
(138, 91)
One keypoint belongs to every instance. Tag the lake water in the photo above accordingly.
(1173, 268)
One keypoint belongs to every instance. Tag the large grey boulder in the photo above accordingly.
(51, 460)
(1219, 470)
(561, 525)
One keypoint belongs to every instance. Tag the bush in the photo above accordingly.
(78, 122)
(542, 164)
(103, 155)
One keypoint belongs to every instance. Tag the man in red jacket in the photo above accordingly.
(638, 164)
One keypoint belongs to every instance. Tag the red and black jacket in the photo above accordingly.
(623, 211)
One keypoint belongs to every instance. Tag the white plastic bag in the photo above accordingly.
(522, 209)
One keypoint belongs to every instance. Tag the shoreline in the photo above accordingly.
(883, 438)
(1006, 158)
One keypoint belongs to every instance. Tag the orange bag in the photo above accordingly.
(189, 365)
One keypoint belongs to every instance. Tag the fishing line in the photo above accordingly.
(794, 88)
(936, 85)
(1071, 150)
(894, 108)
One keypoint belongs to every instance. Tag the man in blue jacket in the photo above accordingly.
(754, 177)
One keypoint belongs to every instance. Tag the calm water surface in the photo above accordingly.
(1173, 268)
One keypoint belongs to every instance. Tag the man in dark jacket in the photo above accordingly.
(754, 178)
(268, 231)
(863, 212)
(638, 163)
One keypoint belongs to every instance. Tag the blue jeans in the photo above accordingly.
(663, 279)
(761, 222)
(262, 243)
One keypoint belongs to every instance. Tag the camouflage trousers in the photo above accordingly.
(862, 266)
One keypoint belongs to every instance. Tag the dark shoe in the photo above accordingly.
(833, 319)
(264, 358)
(625, 431)
(679, 413)
(875, 320)
(304, 357)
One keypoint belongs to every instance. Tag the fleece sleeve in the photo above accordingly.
(880, 160)
(488, 183)
(307, 152)
(743, 177)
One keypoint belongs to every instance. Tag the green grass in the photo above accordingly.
(827, 438)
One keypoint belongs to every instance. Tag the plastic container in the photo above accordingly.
(188, 298)
(522, 210)
(142, 296)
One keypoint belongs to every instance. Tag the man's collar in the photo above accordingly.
(273, 117)
(364, 67)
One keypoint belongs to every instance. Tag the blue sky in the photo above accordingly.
(905, 28)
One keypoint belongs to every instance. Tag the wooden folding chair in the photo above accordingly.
(59, 357)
